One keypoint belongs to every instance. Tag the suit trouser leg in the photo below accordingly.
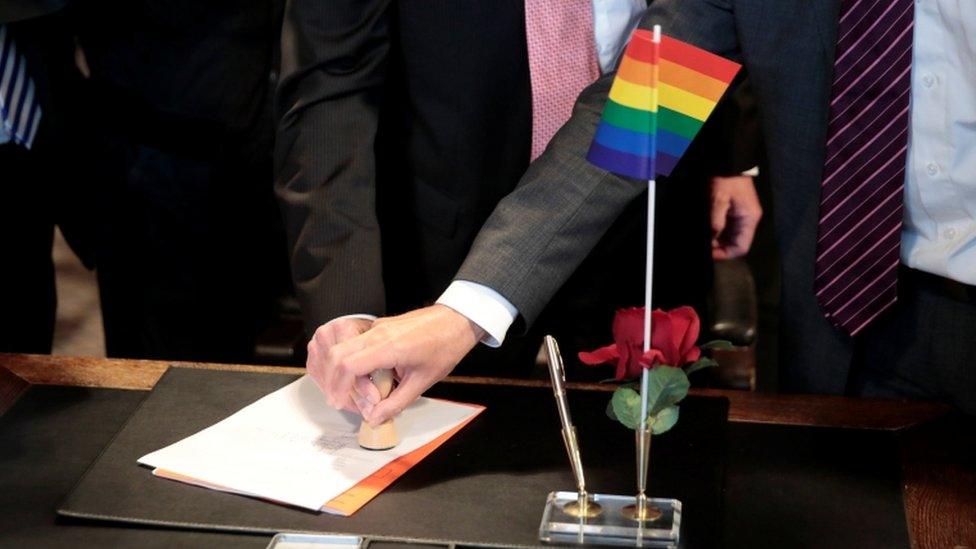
(923, 349)
(27, 292)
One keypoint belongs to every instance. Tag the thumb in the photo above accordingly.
(408, 391)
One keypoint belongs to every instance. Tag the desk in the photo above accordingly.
(939, 472)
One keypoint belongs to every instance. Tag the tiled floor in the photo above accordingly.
(78, 329)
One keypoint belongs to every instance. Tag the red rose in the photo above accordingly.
(627, 349)
(673, 337)
(674, 334)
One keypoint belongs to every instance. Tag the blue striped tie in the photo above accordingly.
(19, 112)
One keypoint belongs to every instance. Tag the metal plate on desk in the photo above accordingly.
(315, 541)
(331, 541)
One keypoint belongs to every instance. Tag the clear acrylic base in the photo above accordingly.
(611, 526)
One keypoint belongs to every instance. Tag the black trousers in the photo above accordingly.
(27, 292)
(188, 255)
(924, 348)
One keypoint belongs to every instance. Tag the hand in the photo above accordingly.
(421, 346)
(81, 62)
(735, 214)
(328, 336)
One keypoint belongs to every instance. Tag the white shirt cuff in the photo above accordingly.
(752, 172)
(483, 306)
(363, 316)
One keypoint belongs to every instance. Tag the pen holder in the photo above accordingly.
(611, 527)
(635, 521)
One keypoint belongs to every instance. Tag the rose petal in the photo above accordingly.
(628, 326)
(599, 356)
(687, 318)
(662, 336)
(652, 358)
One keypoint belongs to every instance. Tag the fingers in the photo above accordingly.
(736, 240)
(719, 213)
(408, 391)
(719, 217)
(367, 390)
(356, 358)
(360, 405)
(321, 350)
(743, 238)
(735, 214)
(314, 364)
(422, 346)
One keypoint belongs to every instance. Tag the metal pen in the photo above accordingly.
(583, 507)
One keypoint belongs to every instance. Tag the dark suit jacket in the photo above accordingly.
(43, 36)
(12, 11)
(787, 47)
(401, 118)
(181, 74)
(402, 127)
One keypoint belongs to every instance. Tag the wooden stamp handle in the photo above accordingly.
(384, 436)
(383, 379)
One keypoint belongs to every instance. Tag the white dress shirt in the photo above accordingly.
(939, 234)
(613, 21)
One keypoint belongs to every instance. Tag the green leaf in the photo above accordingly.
(626, 406)
(719, 344)
(666, 387)
(664, 420)
(700, 364)
(610, 413)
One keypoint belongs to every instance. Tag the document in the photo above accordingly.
(292, 447)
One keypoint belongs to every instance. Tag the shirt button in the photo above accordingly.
(928, 80)
(949, 233)
(932, 168)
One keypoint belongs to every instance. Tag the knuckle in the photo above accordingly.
(344, 364)
(333, 356)
(322, 330)
(382, 331)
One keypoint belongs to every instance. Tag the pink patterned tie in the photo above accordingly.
(867, 139)
(562, 61)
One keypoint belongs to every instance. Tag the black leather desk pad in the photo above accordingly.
(486, 486)
(776, 486)
(47, 440)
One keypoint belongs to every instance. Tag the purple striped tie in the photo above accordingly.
(867, 139)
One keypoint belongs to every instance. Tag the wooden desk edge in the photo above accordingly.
(810, 410)
(926, 529)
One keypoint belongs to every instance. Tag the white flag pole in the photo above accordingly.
(643, 436)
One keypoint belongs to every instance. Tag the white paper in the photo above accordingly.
(290, 446)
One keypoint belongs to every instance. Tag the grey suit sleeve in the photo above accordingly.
(333, 66)
(540, 233)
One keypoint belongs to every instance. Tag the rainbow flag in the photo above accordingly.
(643, 133)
